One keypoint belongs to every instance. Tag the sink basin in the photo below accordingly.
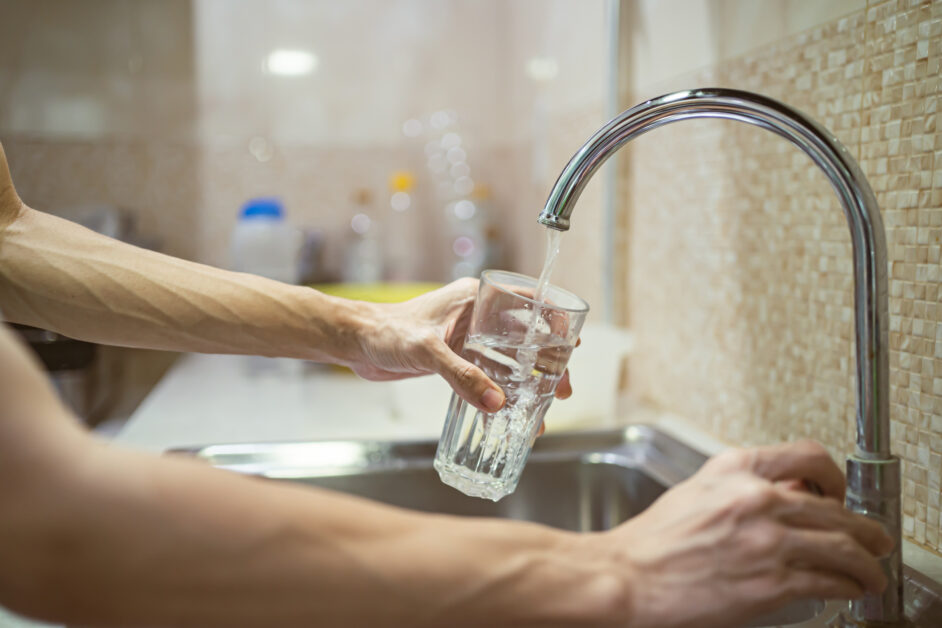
(581, 481)
(576, 482)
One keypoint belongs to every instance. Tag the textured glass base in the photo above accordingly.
(475, 483)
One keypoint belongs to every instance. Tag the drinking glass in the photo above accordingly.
(523, 345)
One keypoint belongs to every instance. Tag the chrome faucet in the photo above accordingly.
(873, 473)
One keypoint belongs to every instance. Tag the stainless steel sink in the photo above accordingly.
(577, 481)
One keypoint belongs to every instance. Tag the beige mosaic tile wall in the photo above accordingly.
(740, 285)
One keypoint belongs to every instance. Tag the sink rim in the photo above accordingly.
(665, 458)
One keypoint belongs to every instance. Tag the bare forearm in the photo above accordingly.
(62, 277)
(58, 275)
(176, 544)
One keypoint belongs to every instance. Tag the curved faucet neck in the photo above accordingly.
(856, 197)
(873, 474)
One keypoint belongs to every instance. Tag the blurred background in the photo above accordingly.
(177, 113)
(403, 140)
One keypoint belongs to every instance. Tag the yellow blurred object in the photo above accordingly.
(481, 192)
(381, 292)
(402, 181)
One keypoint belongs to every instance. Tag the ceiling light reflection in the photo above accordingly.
(440, 120)
(291, 62)
(412, 128)
(456, 155)
(542, 69)
(463, 246)
(460, 170)
(464, 185)
(465, 210)
(400, 201)
(361, 223)
(450, 140)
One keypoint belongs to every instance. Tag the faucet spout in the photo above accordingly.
(872, 472)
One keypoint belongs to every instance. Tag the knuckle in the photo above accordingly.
(760, 496)
(770, 539)
(828, 513)
(845, 545)
(831, 508)
(465, 374)
(812, 449)
(873, 531)
(733, 458)
(749, 500)
(795, 586)
(807, 505)
(761, 542)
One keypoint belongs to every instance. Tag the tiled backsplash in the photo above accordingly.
(740, 279)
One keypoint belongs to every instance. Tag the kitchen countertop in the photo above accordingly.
(226, 399)
(220, 398)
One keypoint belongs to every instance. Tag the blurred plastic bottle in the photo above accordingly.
(264, 244)
(363, 257)
(474, 239)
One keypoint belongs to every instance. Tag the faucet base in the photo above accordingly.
(873, 489)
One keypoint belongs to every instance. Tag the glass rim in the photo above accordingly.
(486, 276)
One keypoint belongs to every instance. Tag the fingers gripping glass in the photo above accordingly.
(523, 345)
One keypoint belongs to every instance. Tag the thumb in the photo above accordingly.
(467, 380)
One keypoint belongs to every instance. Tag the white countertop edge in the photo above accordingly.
(689, 434)
(923, 561)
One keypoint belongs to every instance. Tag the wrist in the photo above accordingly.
(340, 325)
(600, 593)
(533, 575)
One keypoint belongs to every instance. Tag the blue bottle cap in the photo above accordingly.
(264, 208)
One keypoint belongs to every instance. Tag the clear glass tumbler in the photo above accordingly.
(523, 345)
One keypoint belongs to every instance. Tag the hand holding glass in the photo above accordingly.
(523, 345)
